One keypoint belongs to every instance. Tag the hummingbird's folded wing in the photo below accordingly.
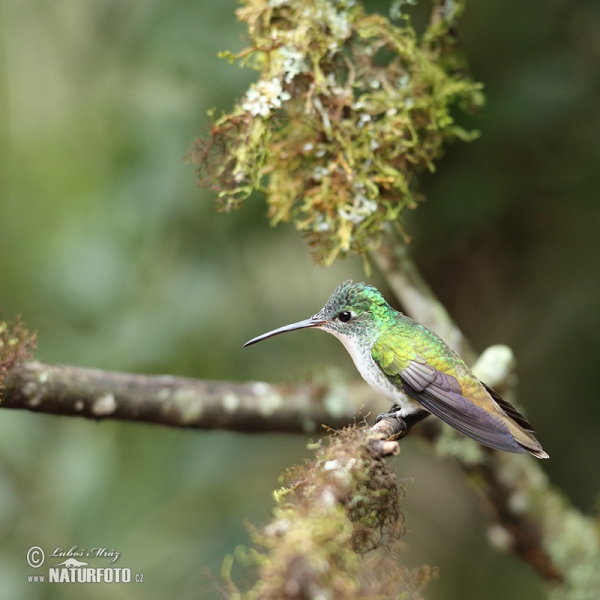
(441, 394)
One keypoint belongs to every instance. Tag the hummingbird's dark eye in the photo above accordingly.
(344, 316)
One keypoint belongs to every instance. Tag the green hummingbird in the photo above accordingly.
(414, 368)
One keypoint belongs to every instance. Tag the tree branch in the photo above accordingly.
(181, 402)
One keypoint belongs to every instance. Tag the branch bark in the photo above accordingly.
(251, 407)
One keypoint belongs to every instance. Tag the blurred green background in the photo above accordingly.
(110, 251)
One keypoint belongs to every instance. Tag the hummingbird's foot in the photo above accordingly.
(393, 412)
(405, 423)
(402, 428)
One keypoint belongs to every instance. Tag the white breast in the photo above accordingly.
(374, 376)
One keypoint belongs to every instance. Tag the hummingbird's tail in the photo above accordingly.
(520, 428)
(526, 440)
(537, 453)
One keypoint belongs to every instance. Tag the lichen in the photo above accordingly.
(335, 530)
(348, 108)
(16, 345)
(104, 405)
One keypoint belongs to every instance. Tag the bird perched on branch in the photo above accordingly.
(414, 368)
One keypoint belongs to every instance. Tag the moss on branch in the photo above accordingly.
(335, 529)
(16, 345)
(347, 109)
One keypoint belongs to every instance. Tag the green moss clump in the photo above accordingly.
(335, 530)
(348, 108)
(16, 345)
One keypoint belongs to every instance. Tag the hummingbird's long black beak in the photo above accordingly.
(312, 322)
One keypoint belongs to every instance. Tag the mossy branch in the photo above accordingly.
(349, 107)
(335, 529)
(16, 345)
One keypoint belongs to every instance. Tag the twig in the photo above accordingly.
(384, 435)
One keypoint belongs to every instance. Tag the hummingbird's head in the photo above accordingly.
(353, 309)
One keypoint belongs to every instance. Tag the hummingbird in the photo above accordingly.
(411, 366)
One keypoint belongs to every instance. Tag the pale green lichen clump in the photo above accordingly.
(347, 109)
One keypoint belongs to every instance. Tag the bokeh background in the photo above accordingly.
(110, 251)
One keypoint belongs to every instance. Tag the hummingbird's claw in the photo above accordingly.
(394, 413)
(394, 409)
(405, 422)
